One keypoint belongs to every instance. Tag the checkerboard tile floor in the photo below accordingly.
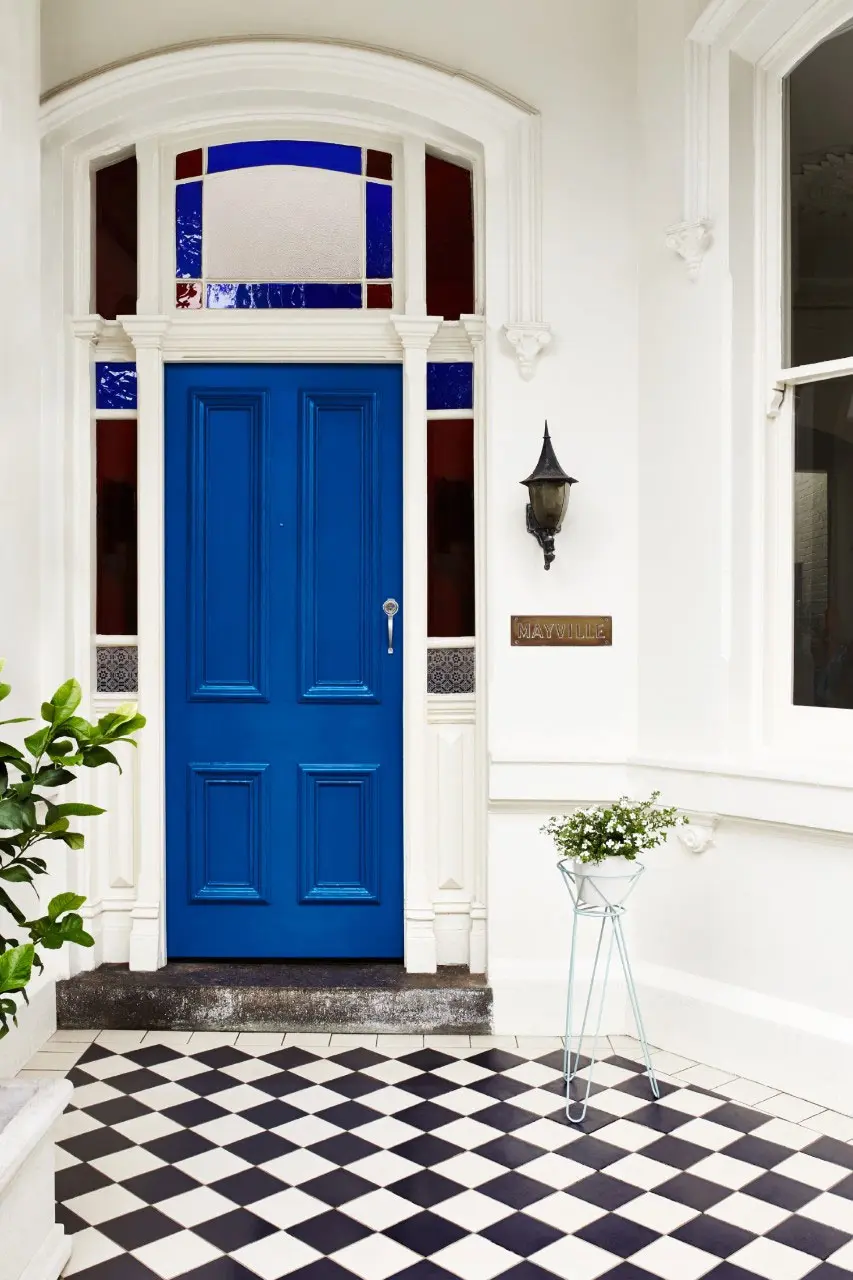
(322, 1158)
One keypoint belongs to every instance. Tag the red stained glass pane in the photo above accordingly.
(379, 295)
(380, 165)
(116, 527)
(189, 164)
(450, 527)
(449, 239)
(188, 296)
(115, 239)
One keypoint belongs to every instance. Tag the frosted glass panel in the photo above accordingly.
(280, 222)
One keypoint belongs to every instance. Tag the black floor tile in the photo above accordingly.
(232, 1231)
(425, 1233)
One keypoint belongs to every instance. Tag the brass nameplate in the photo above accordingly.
(544, 629)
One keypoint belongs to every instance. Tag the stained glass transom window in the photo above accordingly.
(283, 224)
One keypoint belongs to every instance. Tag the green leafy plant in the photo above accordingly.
(28, 817)
(622, 829)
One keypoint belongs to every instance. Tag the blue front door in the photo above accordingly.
(283, 702)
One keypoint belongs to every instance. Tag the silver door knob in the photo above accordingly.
(389, 608)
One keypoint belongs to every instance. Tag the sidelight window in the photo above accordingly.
(819, 324)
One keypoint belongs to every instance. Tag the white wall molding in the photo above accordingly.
(698, 834)
(691, 241)
(528, 341)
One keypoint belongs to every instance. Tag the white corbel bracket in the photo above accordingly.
(698, 835)
(528, 341)
(691, 241)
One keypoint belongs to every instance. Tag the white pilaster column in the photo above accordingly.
(147, 934)
(416, 333)
(23, 631)
(475, 327)
(414, 225)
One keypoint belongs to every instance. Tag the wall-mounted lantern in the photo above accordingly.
(549, 487)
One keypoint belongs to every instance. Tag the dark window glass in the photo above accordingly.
(115, 239)
(379, 164)
(116, 527)
(450, 527)
(821, 204)
(189, 164)
(823, 545)
(379, 295)
(449, 240)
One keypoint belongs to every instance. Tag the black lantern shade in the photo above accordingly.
(549, 487)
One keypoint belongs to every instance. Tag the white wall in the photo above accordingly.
(739, 961)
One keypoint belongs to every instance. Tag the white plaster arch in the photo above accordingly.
(160, 104)
(244, 83)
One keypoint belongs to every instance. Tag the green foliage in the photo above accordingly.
(622, 829)
(28, 817)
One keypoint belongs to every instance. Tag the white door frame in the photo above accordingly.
(172, 101)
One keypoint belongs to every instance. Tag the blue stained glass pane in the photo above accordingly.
(115, 385)
(188, 231)
(312, 155)
(378, 224)
(450, 386)
(267, 296)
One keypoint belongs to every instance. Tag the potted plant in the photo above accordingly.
(31, 818)
(602, 843)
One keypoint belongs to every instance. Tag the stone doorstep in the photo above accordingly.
(196, 996)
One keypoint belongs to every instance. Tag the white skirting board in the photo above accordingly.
(27, 1204)
(36, 1024)
(794, 1048)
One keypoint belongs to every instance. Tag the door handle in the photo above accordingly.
(389, 608)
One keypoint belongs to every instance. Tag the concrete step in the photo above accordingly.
(228, 996)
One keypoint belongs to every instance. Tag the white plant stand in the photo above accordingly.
(603, 899)
(34, 1245)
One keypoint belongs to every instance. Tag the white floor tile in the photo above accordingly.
(147, 1128)
(469, 1169)
(831, 1210)
(674, 1260)
(118, 1041)
(772, 1260)
(308, 1039)
(297, 1167)
(199, 1205)
(42, 1073)
(787, 1107)
(288, 1208)
(565, 1212)
(548, 1134)
(89, 1095)
(349, 1040)
(443, 1042)
(227, 1129)
(320, 1070)
(122, 1165)
(108, 1068)
(467, 1102)
(471, 1210)
(317, 1098)
(211, 1039)
(538, 1046)
(626, 1134)
(63, 1159)
(706, 1134)
(308, 1130)
(657, 1212)
(725, 1170)
(392, 1070)
(250, 1068)
(706, 1077)
(177, 1253)
(574, 1259)
(168, 1094)
(180, 1068)
(533, 1073)
(627, 1047)
(276, 1256)
(56, 1058)
(384, 1131)
(408, 1042)
(639, 1171)
(742, 1210)
(172, 1039)
(749, 1092)
(72, 1123)
(270, 1039)
(73, 1037)
(833, 1124)
(493, 1042)
(242, 1097)
(671, 1063)
(843, 1257)
(376, 1258)
(474, 1258)
(210, 1166)
(108, 1202)
(88, 1249)
(813, 1172)
(556, 1171)
(786, 1134)
(384, 1167)
(692, 1104)
(379, 1209)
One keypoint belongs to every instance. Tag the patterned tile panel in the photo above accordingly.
(450, 670)
(117, 669)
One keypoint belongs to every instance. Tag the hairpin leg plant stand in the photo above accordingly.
(600, 898)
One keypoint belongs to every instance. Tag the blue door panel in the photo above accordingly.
(283, 707)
